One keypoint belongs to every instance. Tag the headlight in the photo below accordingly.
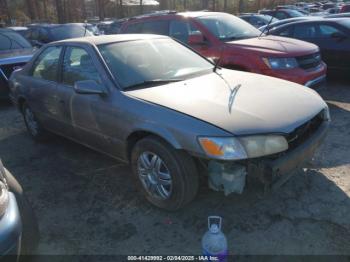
(4, 194)
(281, 63)
(257, 146)
(225, 148)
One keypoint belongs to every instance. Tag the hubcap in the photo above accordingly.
(154, 175)
(31, 122)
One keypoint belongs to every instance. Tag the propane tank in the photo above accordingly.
(214, 242)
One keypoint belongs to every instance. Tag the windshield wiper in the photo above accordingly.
(267, 27)
(151, 83)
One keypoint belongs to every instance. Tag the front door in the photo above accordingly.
(80, 113)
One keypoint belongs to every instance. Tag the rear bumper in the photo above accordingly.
(275, 172)
(10, 231)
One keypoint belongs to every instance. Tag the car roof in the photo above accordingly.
(317, 20)
(7, 30)
(107, 39)
(192, 14)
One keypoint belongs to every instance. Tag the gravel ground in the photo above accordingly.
(86, 202)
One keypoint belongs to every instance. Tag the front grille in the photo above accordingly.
(8, 69)
(303, 132)
(309, 61)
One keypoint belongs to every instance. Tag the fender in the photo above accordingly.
(159, 131)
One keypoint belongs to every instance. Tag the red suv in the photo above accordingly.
(236, 44)
(345, 8)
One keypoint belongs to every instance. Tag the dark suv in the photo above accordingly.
(15, 51)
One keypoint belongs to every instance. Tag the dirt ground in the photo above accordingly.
(86, 202)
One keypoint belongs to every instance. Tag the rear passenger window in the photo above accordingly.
(45, 67)
(304, 31)
(287, 32)
(179, 30)
(156, 27)
(78, 66)
(134, 28)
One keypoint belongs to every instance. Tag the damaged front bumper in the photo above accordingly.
(271, 171)
(275, 172)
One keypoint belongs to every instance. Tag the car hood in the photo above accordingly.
(16, 56)
(238, 102)
(276, 45)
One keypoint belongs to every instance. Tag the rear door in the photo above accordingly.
(42, 86)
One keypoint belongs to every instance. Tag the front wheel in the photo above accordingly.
(167, 177)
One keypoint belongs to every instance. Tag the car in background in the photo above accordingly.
(282, 14)
(19, 233)
(15, 52)
(168, 110)
(115, 26)
(338, 15)
(331, 35)
(258, 20)
(41, 34)
(22, 30)
(235, 44)
(104, 26)
(284, 21)
(345, 8)
(93, 29)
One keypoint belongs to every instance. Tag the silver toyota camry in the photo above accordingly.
(171, 113)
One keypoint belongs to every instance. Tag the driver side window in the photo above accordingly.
(78, 66)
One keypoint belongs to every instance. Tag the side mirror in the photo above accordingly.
(339, 36)
(196, 39)
(88, 87)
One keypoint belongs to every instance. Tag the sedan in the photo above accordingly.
(18, 225)
(152, 102)
(331, 35)
(258, 20)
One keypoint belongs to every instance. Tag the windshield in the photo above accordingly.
(228, 27)
(136, 62)
(295, 13)
(66, 32)
(12, 40)
(268, 19)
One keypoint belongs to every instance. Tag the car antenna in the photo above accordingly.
(85, 26)
(266, 27)
(217, 62)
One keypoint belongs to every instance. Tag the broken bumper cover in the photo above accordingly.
(276, 172)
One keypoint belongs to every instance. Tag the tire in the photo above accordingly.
(34, 128)
(179, 166)
(30, 228)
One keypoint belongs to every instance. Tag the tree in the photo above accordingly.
(5, 11)
(60, 11)
(241, 6)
